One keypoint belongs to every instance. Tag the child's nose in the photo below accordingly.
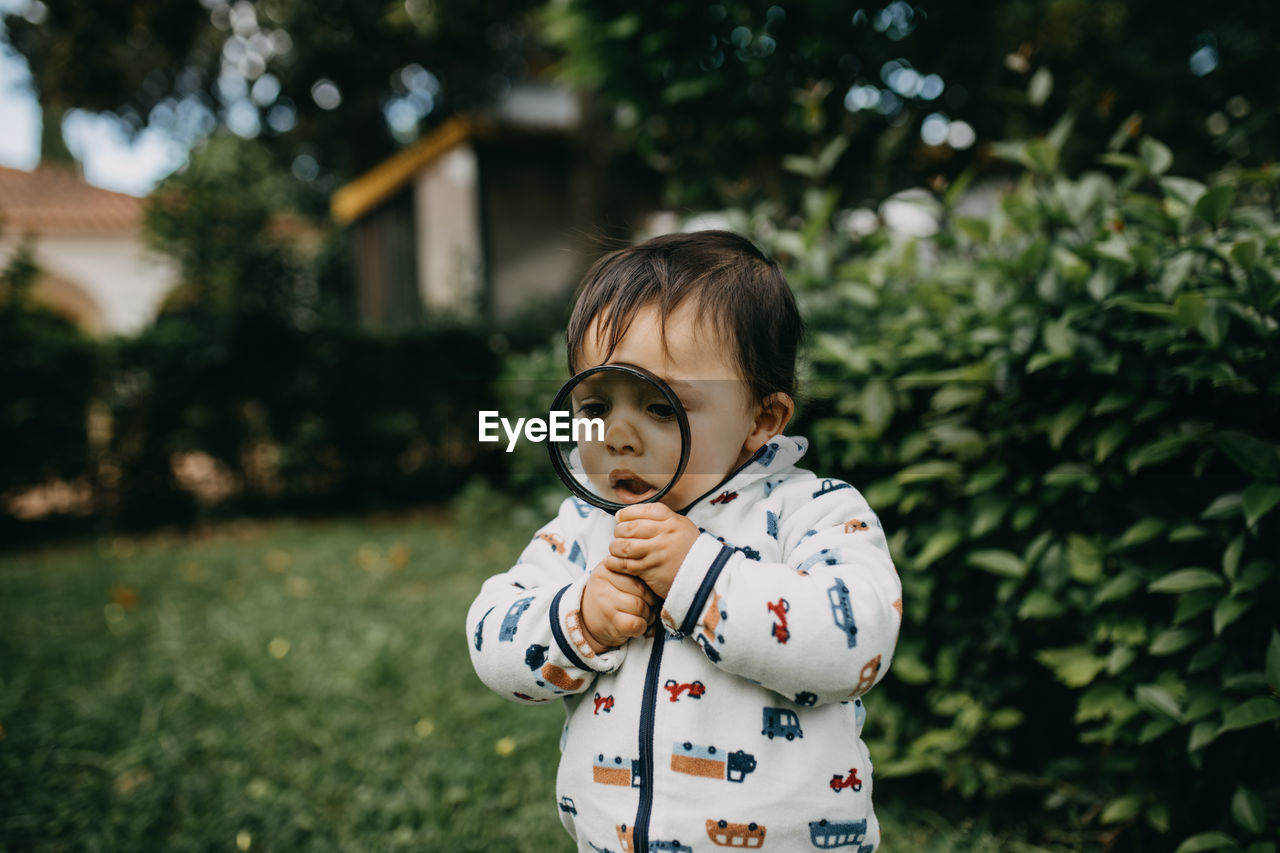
(620, 436)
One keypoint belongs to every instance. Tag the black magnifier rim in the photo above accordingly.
(562, 468)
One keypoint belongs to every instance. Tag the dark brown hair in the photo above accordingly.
(735, 286)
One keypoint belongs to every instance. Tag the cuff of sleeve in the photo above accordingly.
(693, 583)
(566, 627)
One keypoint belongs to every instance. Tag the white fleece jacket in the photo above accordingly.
(739, 724)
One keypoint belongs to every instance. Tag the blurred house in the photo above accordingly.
(490, 215)
(95, 269)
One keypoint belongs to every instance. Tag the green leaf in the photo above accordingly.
(1119, 587)
(1172, 640)
(999, 562)
(939, 544)
(1249, 810)
(911, 669)
(1258, 500)
(1104, 701)
(1161, 450)
(1075, 666)
(1231, 557)
(1245, 253)
(1273, 661)
(1085, 558)
(1040, 86)
(1188, 309)
(1158, 699)
(1143, 531)
(1122, 809)
(1223, 505)
(1185, 580)
(1184, 190)
(1214, 204)
(877, 406)
(1040, 604)
(1065, 421)
(1109, 439)
(1205, 841)
(1156, 728)
(1157, 816)
(1228, 611)
(1120, 658)
(1253, 576)
(1255, 457)
(1202, 734)
(935, 470)
(1005, 719)
(1156, 156)
(1254, 712)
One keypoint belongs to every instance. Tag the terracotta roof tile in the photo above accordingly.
(55, 199)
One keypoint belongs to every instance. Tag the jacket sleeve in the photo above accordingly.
(821, 625)
(524, 629)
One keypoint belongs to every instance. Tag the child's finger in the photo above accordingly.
(624, 566)
(625, 581)
(635, 550)
(654, 511)
(639, 528)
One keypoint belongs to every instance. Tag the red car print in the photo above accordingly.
(724, 497)
(603, 703)
(779, 609)
(675, 688)
(852, 782)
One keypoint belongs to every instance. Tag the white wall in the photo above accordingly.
(447, 218)
(125, 279)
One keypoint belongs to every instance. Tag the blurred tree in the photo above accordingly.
(712, 93)
(332, 85)
(226, 220)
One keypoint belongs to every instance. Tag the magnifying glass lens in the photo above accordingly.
(628, 440)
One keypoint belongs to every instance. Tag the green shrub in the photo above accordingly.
(46, 379)
(326, 418)
(1067, 412)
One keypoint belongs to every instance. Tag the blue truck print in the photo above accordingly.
(781, 722)
(842, 611)
(509, 622)
(826, 835)
(831, 486)
(479, 637)
(711, 763)
(825, 557)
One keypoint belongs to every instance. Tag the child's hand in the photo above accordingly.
(650, 542)
(615, 608)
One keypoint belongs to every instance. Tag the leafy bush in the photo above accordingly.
(46, 376)
(1067, 408)
(326, 418)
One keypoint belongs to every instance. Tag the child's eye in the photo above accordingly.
(593, 410)
(662, 410)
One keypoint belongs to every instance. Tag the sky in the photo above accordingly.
(110, 160)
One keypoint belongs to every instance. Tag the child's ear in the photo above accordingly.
(772, 417)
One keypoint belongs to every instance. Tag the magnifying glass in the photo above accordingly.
(629, 437)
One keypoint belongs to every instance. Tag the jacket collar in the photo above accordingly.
(779, 454)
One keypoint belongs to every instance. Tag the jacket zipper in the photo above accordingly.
(648, 708)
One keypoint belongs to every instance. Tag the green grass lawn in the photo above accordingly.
(279, 686)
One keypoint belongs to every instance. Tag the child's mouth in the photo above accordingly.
(629, 487)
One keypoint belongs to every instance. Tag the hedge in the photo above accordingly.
(215, 413)
(1067, 409)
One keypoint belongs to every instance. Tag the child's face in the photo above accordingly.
(641, 446)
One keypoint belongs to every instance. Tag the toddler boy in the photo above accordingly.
(711, 649)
